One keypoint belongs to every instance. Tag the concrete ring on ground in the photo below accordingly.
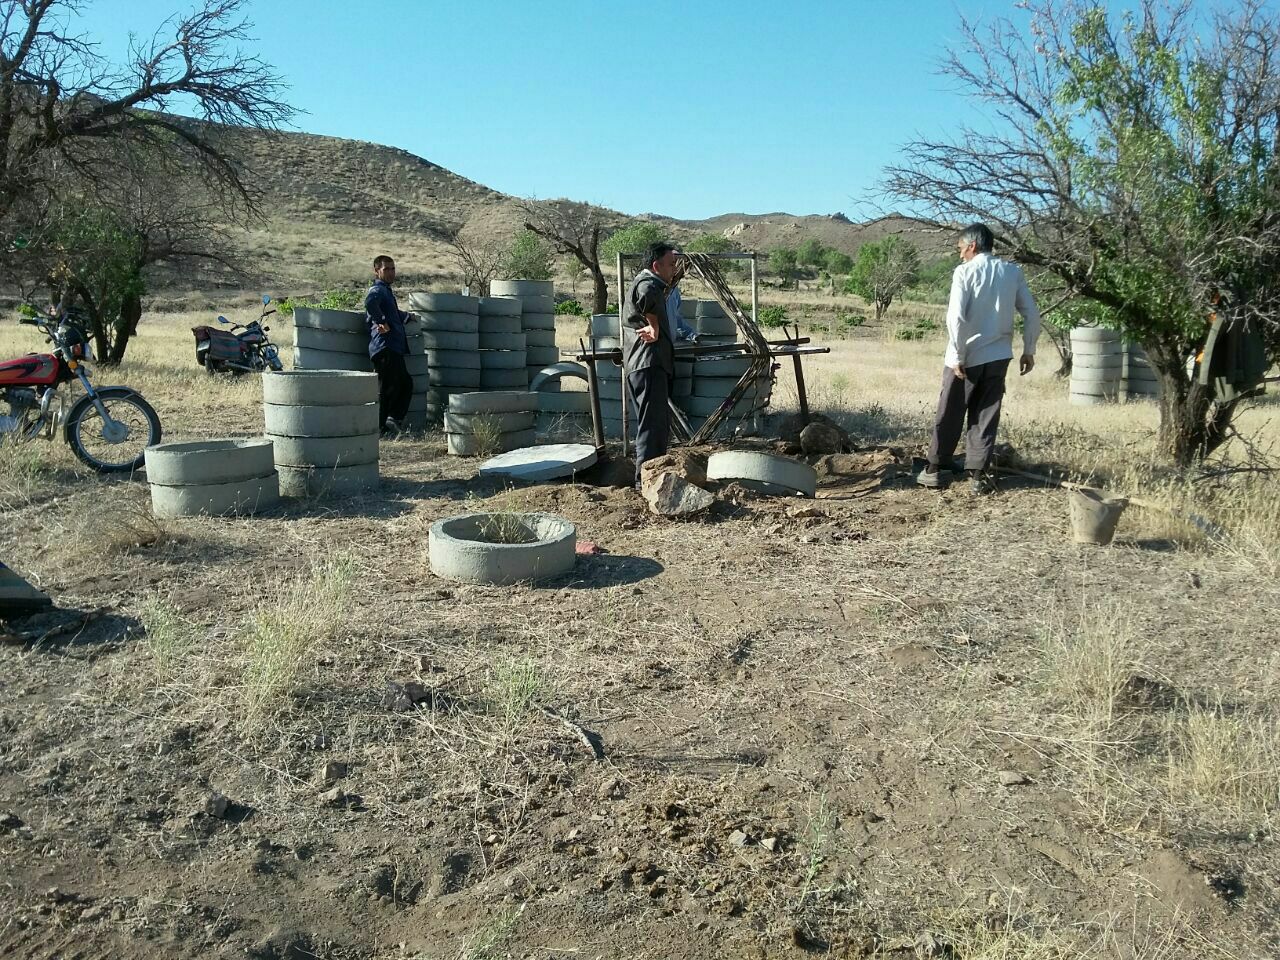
(333, 421)
(454, 359)
(499, 324)
(498, 401)
(508, 422)
(502, 548)
(533, 303)
(316, 481)
(1093, 334)
(577, 402)
(555, 371)
(503, 360)
(444, 303)
(330, 361)
(541, 356)
(449, 340)
(501, 307)
(502, 341)
(497, 379)
(470, 445)
(240, 496)
(539, 338)
(208, 461)
(541, 463)
(316, 388)
(342, 321)
(522, 288)
(325, 451)
(551, 386)
(312, 339)
(453, 377)
(538, 321)
(604, 325)
(448, 322)
(772, 474)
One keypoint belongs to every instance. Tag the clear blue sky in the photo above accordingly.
(689, 109)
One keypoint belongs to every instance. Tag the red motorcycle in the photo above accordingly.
(108, 428)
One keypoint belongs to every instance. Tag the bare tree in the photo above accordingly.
(62, 104)
(1136, 163)
(479, 257)
(573, 229)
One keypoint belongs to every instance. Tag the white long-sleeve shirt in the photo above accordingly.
(985, 292)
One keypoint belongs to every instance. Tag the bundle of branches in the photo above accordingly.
(704, 267)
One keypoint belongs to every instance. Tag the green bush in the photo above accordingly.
(851, 320)
(773, 316)
(343, 298)
(570, 307)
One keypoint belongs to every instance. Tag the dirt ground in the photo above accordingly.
(885, 722)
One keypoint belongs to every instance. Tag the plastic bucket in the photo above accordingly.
(1094, 515)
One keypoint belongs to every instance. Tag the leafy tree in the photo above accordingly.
(633, 238)
(811, 253)
(709, 243)
(1134, 160)
(573, 229)
(882, 270)
(783, 262)
(836, 263)
(529, 258)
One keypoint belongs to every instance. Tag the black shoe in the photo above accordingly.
(981, 482)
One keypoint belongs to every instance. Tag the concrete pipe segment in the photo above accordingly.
(454, 359)
(209, 462)
(318, 481)
(709, 308)
(500, 307)
(470, 445)
(579, 402)
(604, 325)
(443, 303)
(452, 377)
(541, 356)
(509, 422)
(310, 338)
(502, 549)
(502, 360)
(448, 322)
(553, 372)
(715, 326)
(503, 401)
(215, 499)
(329, 451)
(540, 338)
(497, 324)
(764, 471)
(502, 341)
(339, 321)
(538, 321)
(317, 388)
(449, 340)
(522, 288)
(321, 421)
(496, 379)
(321, 360)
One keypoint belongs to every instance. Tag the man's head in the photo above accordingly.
(974, 239)
(661, 259)
(384, 268)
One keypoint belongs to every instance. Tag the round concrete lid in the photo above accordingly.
(549, 462)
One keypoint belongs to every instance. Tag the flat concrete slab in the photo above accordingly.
(551, 462)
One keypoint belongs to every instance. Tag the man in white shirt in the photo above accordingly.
(985, 292)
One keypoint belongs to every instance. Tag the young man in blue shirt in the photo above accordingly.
(388, 346)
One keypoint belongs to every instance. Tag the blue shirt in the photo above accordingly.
(380, 307)
(679, 329)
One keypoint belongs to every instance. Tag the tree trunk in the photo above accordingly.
(1192, 423)
(601, 289)
(126, 326)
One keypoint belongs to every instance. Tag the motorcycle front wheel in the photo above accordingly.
(106, 447)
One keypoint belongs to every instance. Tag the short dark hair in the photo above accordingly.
(980, 235)
(656, 252)
(382, 261)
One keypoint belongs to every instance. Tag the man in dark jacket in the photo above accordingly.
(651, 360)
(388, 346)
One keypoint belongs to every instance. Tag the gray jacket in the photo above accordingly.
(648, 295)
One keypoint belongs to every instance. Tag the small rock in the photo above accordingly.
(331, 771)
(670, 495)
(95, 912)
(216, 805)
(738, 839)
(10, 821)
(928, 946)
(770, 843)
(337, 797)
(399, 697)
(870, 816)
(1012, 778)
(823, 436)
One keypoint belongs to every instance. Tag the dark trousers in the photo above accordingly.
(395, 386)
(978, 397)
(650, 389)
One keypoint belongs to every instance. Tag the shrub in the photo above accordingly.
(851, 320)
(571, 307)
(773, 316)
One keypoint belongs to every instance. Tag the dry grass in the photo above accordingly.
(1224, 761)
(1087, 661)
